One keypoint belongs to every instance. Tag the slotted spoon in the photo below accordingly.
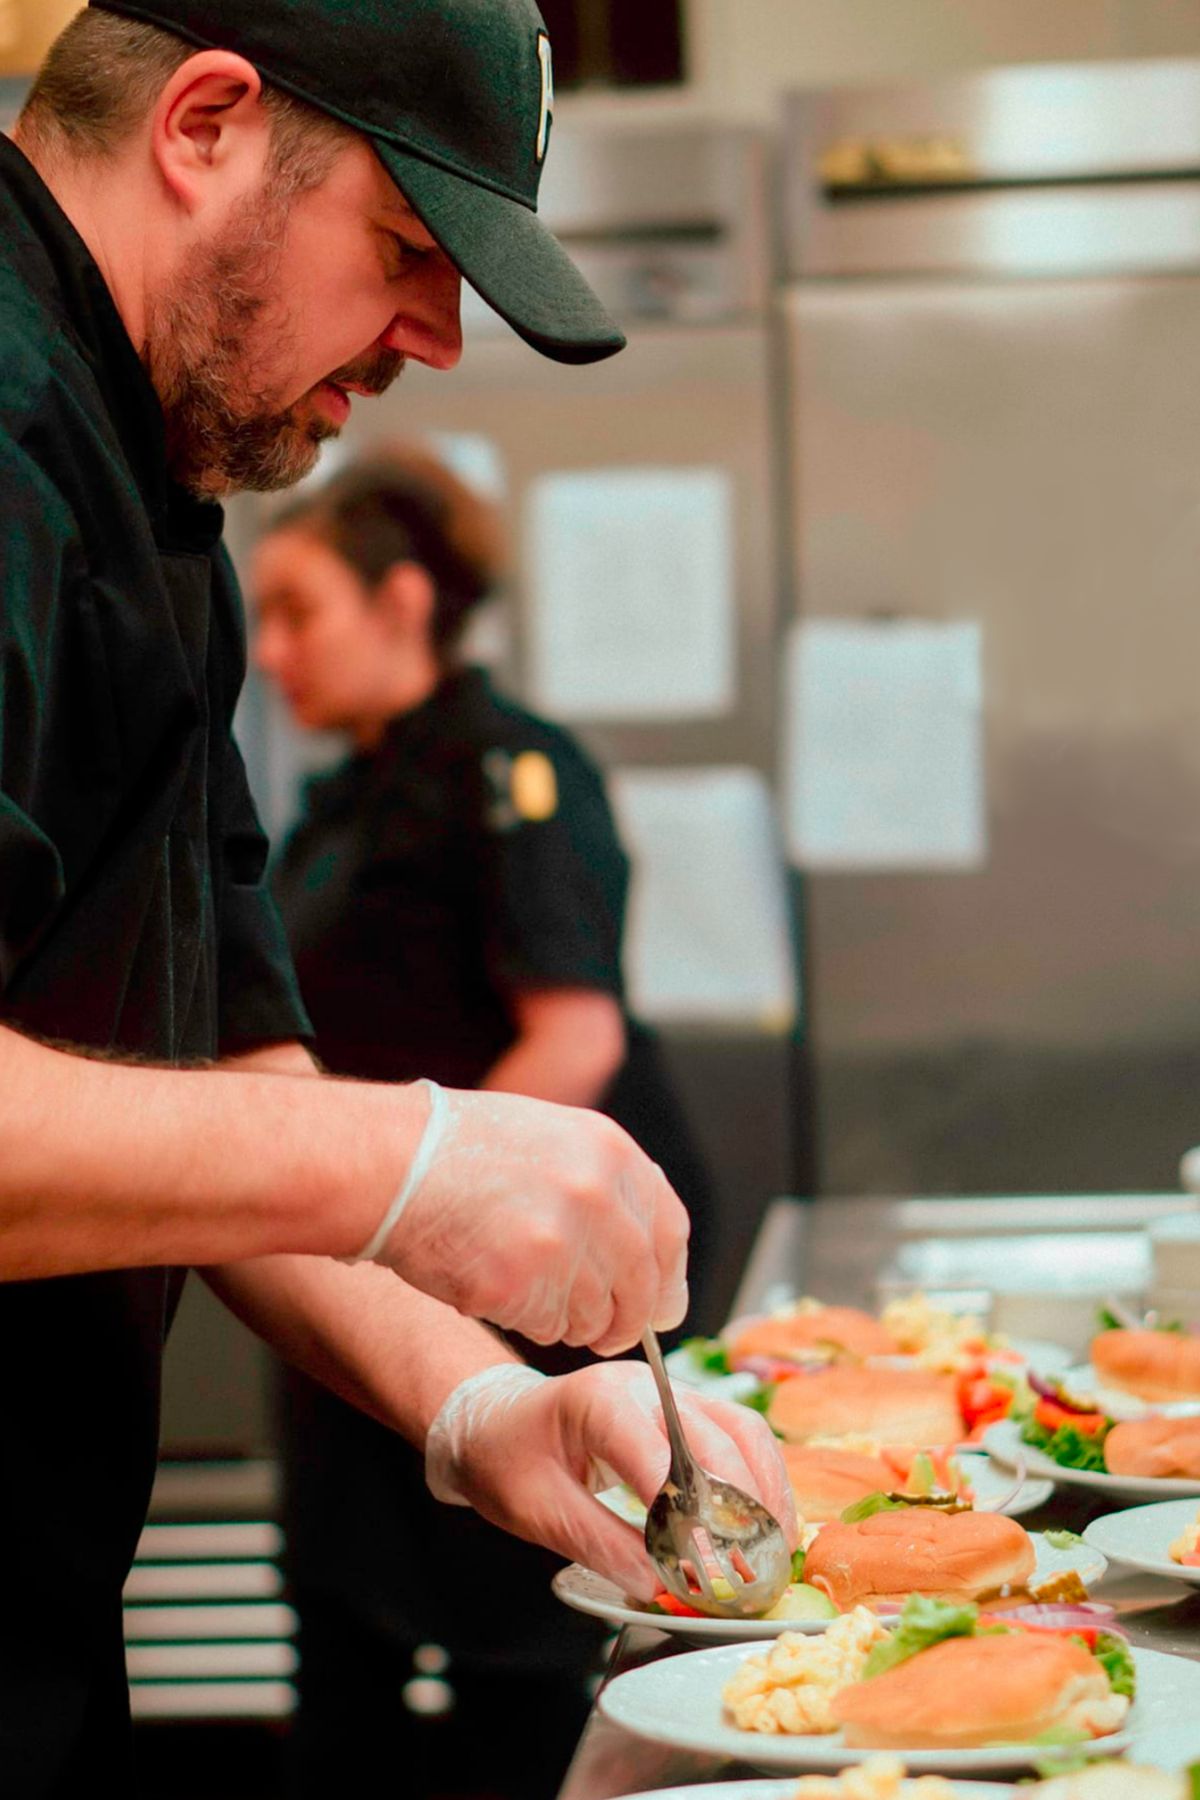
(701, 1529)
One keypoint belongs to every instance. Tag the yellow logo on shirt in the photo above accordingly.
(534, 787)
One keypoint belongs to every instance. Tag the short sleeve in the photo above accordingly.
(557, 876)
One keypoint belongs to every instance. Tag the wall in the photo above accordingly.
(745, 53)
(27, 29)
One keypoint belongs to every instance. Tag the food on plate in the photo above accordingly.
(940, 1339)
(966, 1692)
(827, 1478)
(791, 1688)
(810, 1331)
(891, 1406)
(1115, 1781)
(1186, 1548)
(798, 1601)
(826, 1481)
(1153, 1365)
(948, 1677)
(953, 1678)
(1068, 1428)
(892, 1554)
(882, 1778)
(1157, 1447)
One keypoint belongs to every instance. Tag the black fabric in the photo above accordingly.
(508, 1736)
(420, 900)
(133, 919)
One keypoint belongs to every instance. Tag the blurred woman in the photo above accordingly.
(455, 896)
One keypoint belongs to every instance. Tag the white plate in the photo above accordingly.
(590, 1593)
(677, 1702)
(989, 1483)
(1142, 1535)
(1048, 1359)
(786, 1790)
(1003, 1441)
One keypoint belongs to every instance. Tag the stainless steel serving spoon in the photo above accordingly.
(700, 1529)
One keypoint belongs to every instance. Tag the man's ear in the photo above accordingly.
(410, 598)
(209, 130)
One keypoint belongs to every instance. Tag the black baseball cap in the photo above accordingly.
(456, 98)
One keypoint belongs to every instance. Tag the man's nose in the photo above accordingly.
(428, 328)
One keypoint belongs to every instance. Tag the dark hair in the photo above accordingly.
(404, 505)
(102, 76)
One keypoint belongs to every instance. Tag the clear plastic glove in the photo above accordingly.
(543, 1219)
(527, 1451)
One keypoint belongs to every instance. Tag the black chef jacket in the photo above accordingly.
(133, 919)
(470, 857)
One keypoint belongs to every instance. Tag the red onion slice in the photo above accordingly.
(1090, 1615)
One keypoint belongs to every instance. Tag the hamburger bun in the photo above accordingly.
(950, 1556)
(1161, 1448)
(892, 1406)
(982, 1690)
(841, 1329)
(1154, 1365)
(826, 1482)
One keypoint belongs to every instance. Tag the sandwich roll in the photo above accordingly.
(892, 1406)
(842, 1330)
(1167, 1449)
(948, 1556)
(826, 1482)
(1154, 1365)
(965, 1692)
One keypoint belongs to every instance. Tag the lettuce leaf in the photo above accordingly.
(1192, 1772)
(923, 1622)
(1116, 1658)
(709, 1354)
(798, 1557)
(1071, 1448)
(868, 1506)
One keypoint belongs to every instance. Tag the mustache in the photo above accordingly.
(373, 372)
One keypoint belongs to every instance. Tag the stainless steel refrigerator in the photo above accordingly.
(993, 328)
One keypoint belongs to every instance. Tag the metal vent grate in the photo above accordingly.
(208, 1634)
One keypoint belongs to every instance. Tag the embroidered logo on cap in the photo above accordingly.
(546, 60)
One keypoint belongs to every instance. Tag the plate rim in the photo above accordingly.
(1151, 1566)
(770, 1752)
(783, 1787)
(716, 1632)
(1169, 1487)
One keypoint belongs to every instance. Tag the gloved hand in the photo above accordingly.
(543, 1219)
(526, 1452)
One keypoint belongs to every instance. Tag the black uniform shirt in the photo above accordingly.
(133, 918)
(471, 857)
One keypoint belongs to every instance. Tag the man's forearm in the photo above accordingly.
(369, 1337)
(379, 1344)
(108, 1166)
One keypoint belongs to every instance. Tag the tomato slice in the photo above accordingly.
(677, 1608)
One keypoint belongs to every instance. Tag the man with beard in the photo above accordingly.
(218, 220)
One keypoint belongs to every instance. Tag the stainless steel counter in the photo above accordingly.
(843, 1250)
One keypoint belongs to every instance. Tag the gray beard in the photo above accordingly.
(199, 355)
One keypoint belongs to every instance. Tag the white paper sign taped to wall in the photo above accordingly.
(884, 751)
(709, 937)
(632, 602)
